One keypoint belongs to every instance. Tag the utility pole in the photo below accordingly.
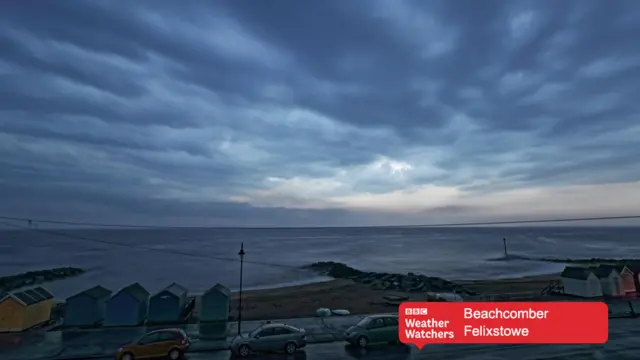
(241, 254)
(504, 243)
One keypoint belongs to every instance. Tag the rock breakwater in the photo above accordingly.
(14, 282)
(410, 282)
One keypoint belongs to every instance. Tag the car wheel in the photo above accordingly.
(362, 342)
(244, 351)
(290, 348)
(127, 356)
(175, 354)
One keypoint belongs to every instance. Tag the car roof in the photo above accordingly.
(273, 325)
(166, 330)
(277, 325)
(381, 316)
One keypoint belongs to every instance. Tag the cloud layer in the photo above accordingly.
(319, 112)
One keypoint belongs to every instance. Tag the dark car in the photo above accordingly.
(374, 329)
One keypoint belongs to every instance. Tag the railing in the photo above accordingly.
(554, 287)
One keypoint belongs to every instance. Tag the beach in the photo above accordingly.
(358, 298)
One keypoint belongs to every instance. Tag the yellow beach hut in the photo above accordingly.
(25, 309)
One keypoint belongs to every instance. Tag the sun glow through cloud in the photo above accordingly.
(369, 113)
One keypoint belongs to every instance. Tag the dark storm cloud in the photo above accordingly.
(185, 110)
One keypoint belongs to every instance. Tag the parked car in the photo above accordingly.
(373, 329)
(270, 337)
(171, 343)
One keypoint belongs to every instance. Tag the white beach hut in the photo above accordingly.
(610, 280)
(580, 281)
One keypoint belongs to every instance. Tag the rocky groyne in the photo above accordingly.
(14, 282)
(410, 282)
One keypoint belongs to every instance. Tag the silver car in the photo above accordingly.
(270, 337)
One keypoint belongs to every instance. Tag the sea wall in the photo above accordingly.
(14, 282)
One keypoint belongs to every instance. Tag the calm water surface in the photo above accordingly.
(453, 253)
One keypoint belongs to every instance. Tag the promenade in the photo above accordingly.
(622, 345)
(325, 335)
(97, 343)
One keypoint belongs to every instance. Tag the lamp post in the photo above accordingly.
(241, 254)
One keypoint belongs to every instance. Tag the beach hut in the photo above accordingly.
(86, 308)
(214, 304)
(167, 305)
(25, 309)
(610, 280)
(630, 278)
(580, 281)
(127, 307)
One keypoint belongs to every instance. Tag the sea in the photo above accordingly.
(198, 258)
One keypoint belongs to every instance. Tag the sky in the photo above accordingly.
(318, 113)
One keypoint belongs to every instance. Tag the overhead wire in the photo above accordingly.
(75, 223)
(459, 224)
(167, 251)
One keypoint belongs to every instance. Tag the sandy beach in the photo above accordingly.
(303, 300)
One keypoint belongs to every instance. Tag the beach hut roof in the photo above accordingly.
(619, 268)
(35, 295)
(603, 271)
(573, 272)
(137, 291)
(175, 289)
(30, 296)
(97, 292)
(24, 298)
(43, 292)
(635, 268)
(221, 289)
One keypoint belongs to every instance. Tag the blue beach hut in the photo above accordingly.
(214, 304)
(86, 308)
(127, 307)
(167, 305)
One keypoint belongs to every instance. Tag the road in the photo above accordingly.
(623, 344)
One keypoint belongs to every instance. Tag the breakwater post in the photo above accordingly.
(504, 243)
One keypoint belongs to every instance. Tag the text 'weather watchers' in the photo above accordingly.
(423, 323)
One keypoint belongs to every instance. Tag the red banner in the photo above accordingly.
(423, 323)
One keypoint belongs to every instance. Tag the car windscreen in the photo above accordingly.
(364, 323)
(255, 332)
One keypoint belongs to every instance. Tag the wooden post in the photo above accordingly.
(504, 243)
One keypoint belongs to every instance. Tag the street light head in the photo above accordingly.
(241, 252)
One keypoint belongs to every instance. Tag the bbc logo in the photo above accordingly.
(416, 311)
